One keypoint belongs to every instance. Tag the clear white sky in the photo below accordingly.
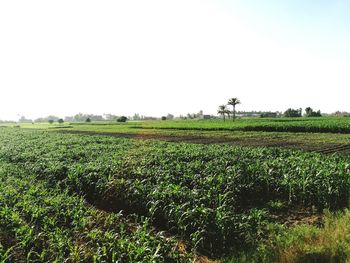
(157, 57)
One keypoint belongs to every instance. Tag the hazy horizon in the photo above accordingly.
(107, 116)
(157, 57)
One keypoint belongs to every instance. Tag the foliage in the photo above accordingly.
(309, 112)
(42, 223)
(268, 115)
(81, 117)
(47, 118)
(122, 119)
(223, 111)
(289, 113)
(305, 243)
(233, 102)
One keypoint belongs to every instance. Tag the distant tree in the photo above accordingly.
(228, 112)
(200, 114)
(88, 120)
(292, 113)
(222, 110)
(69, 119)
(170, 116)
(308, 111)
(233, 102)
(46, 119)
(60, 121)
(80, 117)
(268, 115)
(190, 116)
(122, 119)
(50, 121)
(136, 117)
(163, 118)
(341, 114)
(25, 120)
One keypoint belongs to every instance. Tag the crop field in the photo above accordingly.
(312, 125)
(77, 198)
(332, 134)
(175, 131)
(319, 125)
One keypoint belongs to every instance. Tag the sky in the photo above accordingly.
(151, 57)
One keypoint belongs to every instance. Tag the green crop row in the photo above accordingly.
(313, 125)
(216, 197)
(45, 224)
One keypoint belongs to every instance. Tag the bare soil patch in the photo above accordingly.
(325, 148)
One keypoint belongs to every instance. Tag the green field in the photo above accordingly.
(316, 125)
(175, 191)
(333, 134)
(320, 125)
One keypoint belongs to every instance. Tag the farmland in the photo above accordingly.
(175, 131)
(101, 198)
(294, 133)
(319, 125)
(307, 125)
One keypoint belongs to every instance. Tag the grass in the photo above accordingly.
(305, 243)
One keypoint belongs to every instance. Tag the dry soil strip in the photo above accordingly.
(252, 142)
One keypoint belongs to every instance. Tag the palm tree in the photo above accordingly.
(222, 110)
(233, 102)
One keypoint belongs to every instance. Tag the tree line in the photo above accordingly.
(224, 111)
(309, 112)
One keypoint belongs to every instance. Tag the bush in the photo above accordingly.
(163, 118)
(88, 120)
(51, 121)
(122, 119)
(60, 121)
